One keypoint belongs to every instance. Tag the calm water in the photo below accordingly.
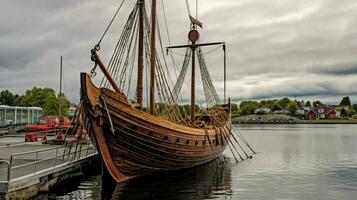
(294, 162)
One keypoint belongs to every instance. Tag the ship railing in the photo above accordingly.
(33, 162)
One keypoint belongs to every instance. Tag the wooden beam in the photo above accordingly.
(153, 57)
(139, 86)
(105, 72)
(193, 80)
(195, 45)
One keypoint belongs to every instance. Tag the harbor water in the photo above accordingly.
(293, 162)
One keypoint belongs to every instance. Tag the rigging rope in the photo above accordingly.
(111, 21)
(188, 8)
(117, 57)
(182, 75)
(209, 90)
(121, 66)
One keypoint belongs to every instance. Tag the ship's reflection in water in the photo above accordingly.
(204, 182)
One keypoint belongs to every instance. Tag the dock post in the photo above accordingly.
(54, 161)
(9, 170)
(34, 171)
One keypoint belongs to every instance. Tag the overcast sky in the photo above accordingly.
(279, 48)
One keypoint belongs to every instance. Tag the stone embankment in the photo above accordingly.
(266, 119)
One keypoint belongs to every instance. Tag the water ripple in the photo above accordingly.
(296, 162)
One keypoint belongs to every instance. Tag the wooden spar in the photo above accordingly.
(193, 85)
(105, 71)
(153, 57)
(225, 73)
(139, 87)
(193, 36)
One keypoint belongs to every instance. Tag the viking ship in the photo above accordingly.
(133, 139)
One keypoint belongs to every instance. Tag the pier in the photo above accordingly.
(28, 169)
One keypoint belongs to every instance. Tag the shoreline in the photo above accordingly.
(285, 119)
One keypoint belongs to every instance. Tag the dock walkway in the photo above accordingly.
(29, 168)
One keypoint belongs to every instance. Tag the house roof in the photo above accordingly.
(312, 110)
(324, 109)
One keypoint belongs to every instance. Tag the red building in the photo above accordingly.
(311, 115)
(322, 112)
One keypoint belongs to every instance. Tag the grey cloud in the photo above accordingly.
(275, 48)
(337, 70)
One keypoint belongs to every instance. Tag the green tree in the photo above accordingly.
(51, 106)
(7, 98)
(275, 106)
(345, 101)
(284, 102)
(234, 107)
(354, 107)
(248, 107)
(271, 104)
(317, 103)
(235, 114)
(351, 112)
(45, 98)
(292, 108)
(308, 104)
(36, 97)
(244, 103)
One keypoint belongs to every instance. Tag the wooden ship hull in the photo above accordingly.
(132, 143)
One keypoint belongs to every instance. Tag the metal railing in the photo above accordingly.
(32, 162)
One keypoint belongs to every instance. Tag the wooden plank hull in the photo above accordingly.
(142, 143)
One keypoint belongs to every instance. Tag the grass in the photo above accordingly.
(335, 121)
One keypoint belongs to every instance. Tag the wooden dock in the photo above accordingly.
(28, 170)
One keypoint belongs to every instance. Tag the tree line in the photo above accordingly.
(45, 98)
(291, 106)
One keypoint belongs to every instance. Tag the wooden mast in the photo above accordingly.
(153, 57)
(193, 80)
(193, 36)
(139, 87)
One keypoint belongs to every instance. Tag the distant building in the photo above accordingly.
(342, 111)
(311, 115)
(300, 112)
(303, 110)
(262, 110)
(322, 112)
(13, 115)
(326, 112)
(306, 108)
